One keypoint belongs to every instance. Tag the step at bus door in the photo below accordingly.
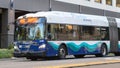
(113, 30)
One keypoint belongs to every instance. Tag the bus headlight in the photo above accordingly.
(16, 47)
(42, 46)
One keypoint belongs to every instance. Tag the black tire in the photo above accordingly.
(103, 51)
(62, 52)
(79, 56)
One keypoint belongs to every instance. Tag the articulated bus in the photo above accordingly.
(56, 33)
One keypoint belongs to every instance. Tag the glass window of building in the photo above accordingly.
(109, 2)
(118, 3)
(98, 1)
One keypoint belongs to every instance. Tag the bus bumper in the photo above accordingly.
(26, 54)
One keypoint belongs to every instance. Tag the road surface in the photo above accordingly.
(70, 62)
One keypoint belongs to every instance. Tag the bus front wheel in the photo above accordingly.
(62, 52)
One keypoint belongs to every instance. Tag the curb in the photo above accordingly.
(83, 64)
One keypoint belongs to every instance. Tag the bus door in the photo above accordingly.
(113, 31)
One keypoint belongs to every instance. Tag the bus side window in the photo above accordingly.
(104, 34)
(50, 32)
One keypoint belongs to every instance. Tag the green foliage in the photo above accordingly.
(11, 46)
(6, 53)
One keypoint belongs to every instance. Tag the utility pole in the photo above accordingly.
(11, 19)
(50, 5)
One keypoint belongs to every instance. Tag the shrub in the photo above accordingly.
(6, 53)
(11, 46)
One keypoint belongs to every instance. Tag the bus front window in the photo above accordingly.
(28, 31)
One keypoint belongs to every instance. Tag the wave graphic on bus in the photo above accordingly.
(76, 47)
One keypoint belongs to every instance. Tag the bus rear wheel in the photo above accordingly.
(103, 51)
(62, 52)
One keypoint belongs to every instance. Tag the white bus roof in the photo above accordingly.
(70, 18)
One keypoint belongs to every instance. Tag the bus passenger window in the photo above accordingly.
(88, 32)
(104, 33)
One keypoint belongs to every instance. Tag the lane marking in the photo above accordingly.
(82, 64)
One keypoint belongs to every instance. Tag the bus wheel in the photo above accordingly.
(117, 54)
(79, 56)
(103, 51)
(62, 52)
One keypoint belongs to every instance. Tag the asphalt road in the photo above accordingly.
(114, 65)
(70, 62)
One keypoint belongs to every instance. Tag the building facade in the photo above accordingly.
(21, 7)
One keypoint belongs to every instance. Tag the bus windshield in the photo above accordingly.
(28, 31)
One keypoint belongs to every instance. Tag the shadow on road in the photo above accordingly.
(55, 58)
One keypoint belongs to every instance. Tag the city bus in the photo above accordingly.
(58, 34)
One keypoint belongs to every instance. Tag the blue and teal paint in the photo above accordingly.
(72, 48)
(82, 48)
